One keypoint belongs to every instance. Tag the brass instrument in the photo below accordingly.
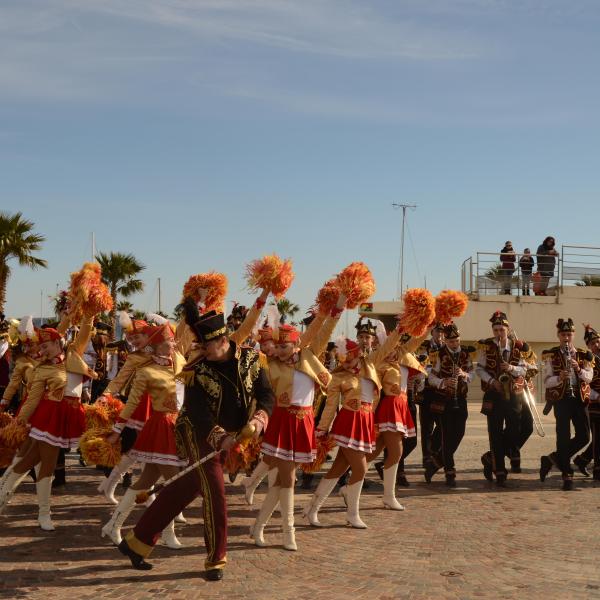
(505, 380)
(455, 386)
(530, 402)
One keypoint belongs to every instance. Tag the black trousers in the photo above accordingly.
(409, 444)
(524, 433)
(427, 424)
(452, 423)
(592, 451)
(570, 409)
(504, 426)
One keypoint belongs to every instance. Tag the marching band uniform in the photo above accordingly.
(592, 452)
(54, 411)
(449, 402)
(220, 397)
(290, 435)
(568, 396)
(155, 444)
(502, 409)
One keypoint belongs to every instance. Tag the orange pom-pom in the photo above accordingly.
(5, 419)
(215, 285)
(356, 283)
(110, 406)
(449, 305)
(96, 450)
(270, 273)
(328, 296)
(242, 455)
(418, 312)
(13, 435)
(325, 445)
(96, 416)
(87, 294)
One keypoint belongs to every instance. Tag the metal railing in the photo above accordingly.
(575, 265)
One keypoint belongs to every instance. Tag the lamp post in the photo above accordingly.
(400, 283)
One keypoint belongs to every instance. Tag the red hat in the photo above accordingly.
(287, 333)
(138, 326)
(48, 334)
(158, 334)
(265, 335)
(352, 348)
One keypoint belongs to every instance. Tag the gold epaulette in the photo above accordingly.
(549, 353)
(186, 376)
(263, 360)
(433, 356)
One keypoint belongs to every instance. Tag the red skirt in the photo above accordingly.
(58, 423)
(156, 441)
(355, 429)
(141, 413)
(392, 414)
(290, 434)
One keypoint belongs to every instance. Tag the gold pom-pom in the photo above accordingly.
(418, 312)
(215, 286)
(5, 419)
(109, 406)
(449, 305)
(270, 273)
(327, 297)
(96, 450)
(14, 434)
(356, 283)
(96, 416)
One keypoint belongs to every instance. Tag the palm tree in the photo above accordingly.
(125, 306)
(119, 273)
(286, 309)
(17, 241)
(140, 315)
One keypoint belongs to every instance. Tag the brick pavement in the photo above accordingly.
(528, 541)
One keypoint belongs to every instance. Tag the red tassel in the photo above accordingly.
(325, 445)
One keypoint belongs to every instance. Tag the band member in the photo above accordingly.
(592, 452)
(297, 377)
(568, 372)
(224, 391)
(103, 358)
(366, 335)
(450, 376)
(53, 410)
(426, 417)
(502, 370)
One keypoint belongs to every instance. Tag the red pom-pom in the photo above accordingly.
(270, 273)
(418, 312)
(325, 445)
(87, 294)
(242, 455)
(215, 285)
(110, 406)
(96, 450)
(5, 419)
(356, 283)
(327, 297)
(449, 305)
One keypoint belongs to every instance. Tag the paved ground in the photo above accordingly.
(528, 541)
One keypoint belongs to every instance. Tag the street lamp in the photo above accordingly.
(400, 283)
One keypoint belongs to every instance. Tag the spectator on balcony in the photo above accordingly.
(526, 265)
(508, 259)
(546, 263)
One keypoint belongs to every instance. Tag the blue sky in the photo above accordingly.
(200, 135)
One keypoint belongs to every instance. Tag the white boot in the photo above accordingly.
(180, 518)
(8, 485)
(266, 510)
(168, 537)
(353, 498)
(286, 500)
(43, 488)
(109, 484)
(389, 488)
(324, 489)
(113, 528)
(252, 482)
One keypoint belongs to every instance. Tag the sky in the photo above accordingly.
(200, 135)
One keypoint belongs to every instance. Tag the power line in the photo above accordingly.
(400, 282)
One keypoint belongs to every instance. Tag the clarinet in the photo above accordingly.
(567, 351)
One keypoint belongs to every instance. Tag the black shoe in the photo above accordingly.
(401, 480)
(567, 485)
(515, 465)
(59, 478)
(430, 471)
(214, 574)
(81, 461)
(545, 467)
(307, 479)
(137, 561)
(488, 472)
(596, 475)
(501, 479)
(32, 475)
(581, 464)
(126, 480)
(450, 480)
(379, 468)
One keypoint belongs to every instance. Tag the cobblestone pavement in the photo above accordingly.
(530, 540)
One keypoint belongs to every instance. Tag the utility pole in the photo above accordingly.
(159, 302)
(400, 283)
(41, 307)
(93, 247)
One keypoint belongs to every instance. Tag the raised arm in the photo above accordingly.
(84, 335)
(250, 320)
